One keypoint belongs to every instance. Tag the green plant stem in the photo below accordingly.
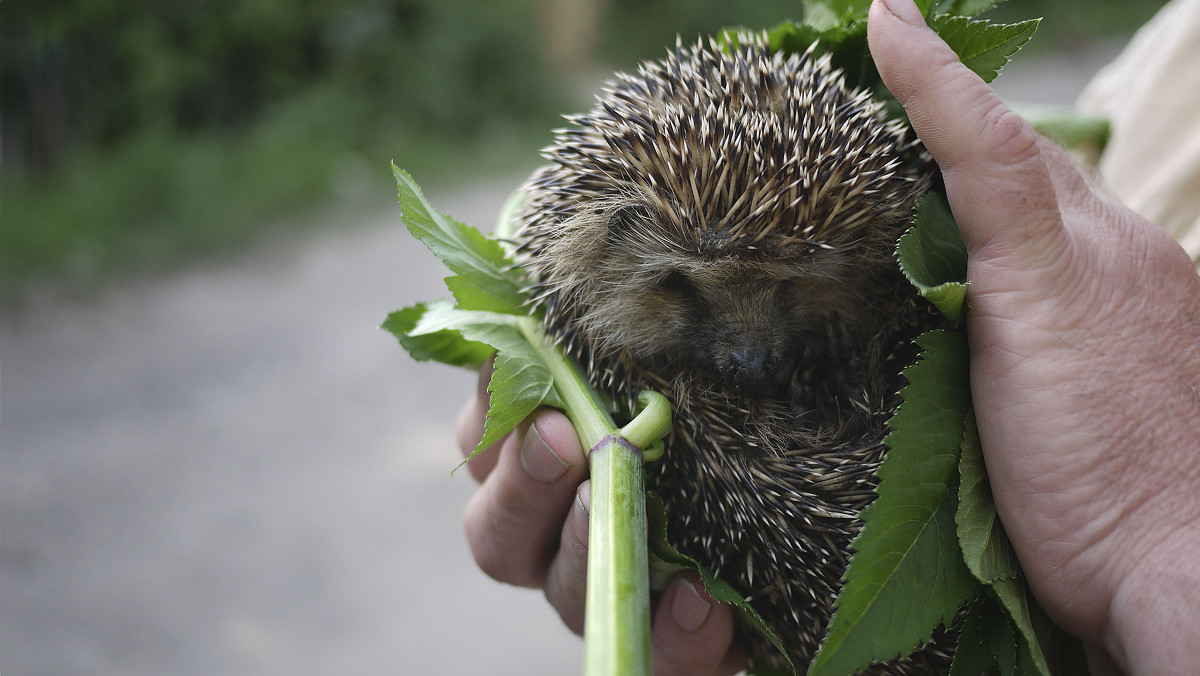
(651, 422)
(617, 615)
(585, 409)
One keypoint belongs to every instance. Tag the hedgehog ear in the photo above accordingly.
(625, 219)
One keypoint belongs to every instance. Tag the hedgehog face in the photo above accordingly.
(744, 319)
(724, 213)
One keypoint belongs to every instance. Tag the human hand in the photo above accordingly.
(527, 525)
(1084, 325)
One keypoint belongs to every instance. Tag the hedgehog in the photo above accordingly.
(721, 227)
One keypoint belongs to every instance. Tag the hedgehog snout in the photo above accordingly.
(754, 370)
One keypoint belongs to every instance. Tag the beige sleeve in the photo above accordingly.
(1151, 95)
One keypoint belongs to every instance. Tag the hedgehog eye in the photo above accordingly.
(624, 219)
(677, 282)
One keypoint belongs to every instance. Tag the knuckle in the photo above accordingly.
(1011, 137)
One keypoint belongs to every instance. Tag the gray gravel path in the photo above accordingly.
(231, 471)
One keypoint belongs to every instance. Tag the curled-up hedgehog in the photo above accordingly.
(721, 227)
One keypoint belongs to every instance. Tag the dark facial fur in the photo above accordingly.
(743, 319)
(720, 227)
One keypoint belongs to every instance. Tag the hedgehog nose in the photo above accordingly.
(753, 372)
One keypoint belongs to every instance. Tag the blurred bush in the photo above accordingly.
(141, 132)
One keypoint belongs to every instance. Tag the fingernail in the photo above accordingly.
(538, 459)
(689, 608)
(906, 11)
(583, 497)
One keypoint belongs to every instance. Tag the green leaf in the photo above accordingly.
(1042, 648)
(471, 295)
(933, 257)
(986, 549)
(988, 643)
(907, 575)
(906, 582)
(973, 654)
(529, 371)
(1014, 596)
(1028, 643)
(992, 560)
(929, 425)
(1001, 641)
(480, 262)
(520, 381)
(519, 384)
(667, 561)
(506, 220)
(501, 331)
(983, 46)
(446, 346)
(843, 37)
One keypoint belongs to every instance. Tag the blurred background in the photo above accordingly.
(210, 459)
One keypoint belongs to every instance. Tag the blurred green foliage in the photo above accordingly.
(138, 133)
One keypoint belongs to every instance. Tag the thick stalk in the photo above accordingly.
(617, 615)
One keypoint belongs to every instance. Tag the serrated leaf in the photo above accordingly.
(928, 426)
(446, 346)
(520, 382)
(933, 257)
(981, 45)
(908, 580)
(972, 654)
(472, 296)
(985, 546)
(667, 561)
(499, 330)
(1014, 596)
(991, 558)
(519, 385)
(480, 261)
(907, 575)
(1002, 642)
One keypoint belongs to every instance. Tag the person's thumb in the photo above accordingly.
(998, 183)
